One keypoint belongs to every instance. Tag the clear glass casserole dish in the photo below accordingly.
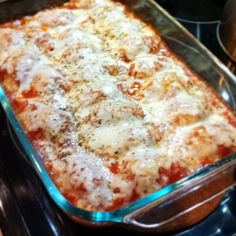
(180, 204)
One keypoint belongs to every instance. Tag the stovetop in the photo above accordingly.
(25, 207)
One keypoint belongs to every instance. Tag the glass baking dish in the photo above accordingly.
(177, 205)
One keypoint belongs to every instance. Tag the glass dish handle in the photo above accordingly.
(193, 201)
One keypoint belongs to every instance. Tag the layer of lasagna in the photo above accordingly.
(111, 111)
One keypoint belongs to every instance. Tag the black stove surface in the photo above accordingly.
(25, 206)
(200, 10)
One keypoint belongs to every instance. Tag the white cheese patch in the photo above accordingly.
(220, 129)
(83, 168)
(161, 112)
(59, 17)
(12, 40)
(116, 137)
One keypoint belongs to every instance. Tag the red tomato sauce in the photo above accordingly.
(36, 135)
(114, 168)
(173, 174)
(31, 93)
(19, 106)
(224, 151)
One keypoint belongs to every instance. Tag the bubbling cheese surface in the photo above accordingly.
(111, 111)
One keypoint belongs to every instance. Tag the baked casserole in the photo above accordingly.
(113, 114)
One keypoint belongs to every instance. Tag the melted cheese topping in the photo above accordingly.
(113, 114)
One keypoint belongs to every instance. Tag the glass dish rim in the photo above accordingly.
(117, 215)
